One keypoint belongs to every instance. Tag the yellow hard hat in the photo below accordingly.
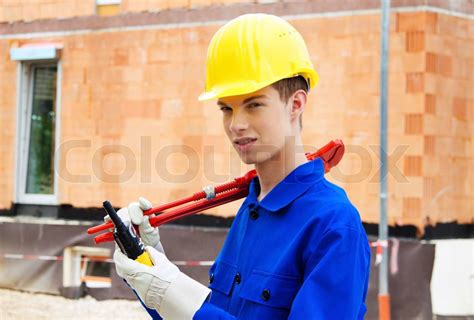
(253, 51)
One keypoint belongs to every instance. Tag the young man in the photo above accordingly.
(297, 248)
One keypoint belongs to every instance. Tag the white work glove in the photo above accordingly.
(149, 235)
(162, 287)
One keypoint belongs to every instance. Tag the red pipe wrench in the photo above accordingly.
(212, 197)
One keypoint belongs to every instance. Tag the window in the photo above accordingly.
(40, 168)
(108, 7)
(86, 265)
(37, 132)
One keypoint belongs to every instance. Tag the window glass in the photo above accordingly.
(40, 170)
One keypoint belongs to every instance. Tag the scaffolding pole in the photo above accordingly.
(384, 296)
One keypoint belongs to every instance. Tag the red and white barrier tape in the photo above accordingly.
(379, 245)
(15, 256)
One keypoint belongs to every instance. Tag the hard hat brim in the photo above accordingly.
(247, 87)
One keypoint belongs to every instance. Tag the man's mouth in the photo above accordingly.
(244, 144)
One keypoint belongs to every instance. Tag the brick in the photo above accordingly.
(415, 41)
(83, 8)
(414, 82)
(397, 42)
(412, 188)
(414, 21)
(460, 147)
(445, 65)
(142, 108)
(133, 91)
(431, 21)
(430, 103)
(462, 69)
(135, 5)
(414, 124)
(434, 43)
(13, 13)
(411, 207)
(157, 53)
(137, 57)
(194, 142)
(460, 108)
(176, 4)
(406, 103)
(132, 75)
(431, 85)
(434, 125)
(30, 12)
(444, 147)
(67, 9)
(410, 144)
(431, 62)
(200, 3)
(453, 26)
(429, 145)
(120, 57)
(461, 129)
(171, 108)
(431, 186)
(412, 166)
(341, 46)
(359, 65)
(403, 62)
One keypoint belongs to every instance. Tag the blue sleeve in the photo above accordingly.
(336, 278)
(209, 311)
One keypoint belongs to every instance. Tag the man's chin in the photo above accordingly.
(250, 159)
(247, 159)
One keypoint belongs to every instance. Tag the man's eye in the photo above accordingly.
(254, 105)
(225, 109)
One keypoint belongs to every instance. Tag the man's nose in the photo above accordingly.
(239, 122)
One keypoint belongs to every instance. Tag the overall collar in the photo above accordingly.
(291, 187)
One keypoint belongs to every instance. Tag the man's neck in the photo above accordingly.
(274, 170)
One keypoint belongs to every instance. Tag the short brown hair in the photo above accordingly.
(286, 87)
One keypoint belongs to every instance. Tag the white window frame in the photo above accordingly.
(107, 2)
(24, 108)
(74, 270)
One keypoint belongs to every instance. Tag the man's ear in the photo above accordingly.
(297, 104)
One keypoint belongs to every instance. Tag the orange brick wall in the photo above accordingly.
(448, 120)
(135, 88)
(154, 5)
(29, 10)
(7, 126)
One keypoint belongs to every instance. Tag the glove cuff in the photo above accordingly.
(183, 298)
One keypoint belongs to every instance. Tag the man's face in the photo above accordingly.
(257, 124)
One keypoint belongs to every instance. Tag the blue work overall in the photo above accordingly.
(300, 253)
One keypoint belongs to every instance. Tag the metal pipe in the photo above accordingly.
(384, 297)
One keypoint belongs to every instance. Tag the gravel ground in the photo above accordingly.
(25, 305)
